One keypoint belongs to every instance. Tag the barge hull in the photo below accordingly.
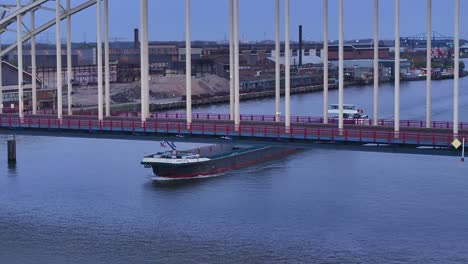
(222, 164)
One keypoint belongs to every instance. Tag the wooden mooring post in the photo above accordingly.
(11, 149)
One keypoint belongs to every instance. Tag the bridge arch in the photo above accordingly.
(11, 19)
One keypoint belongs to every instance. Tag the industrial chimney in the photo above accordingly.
(300, 45)
(136, 39)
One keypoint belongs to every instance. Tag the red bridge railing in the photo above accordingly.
(266, 131)
(266, 118)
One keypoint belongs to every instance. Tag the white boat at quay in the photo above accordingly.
(351, 114)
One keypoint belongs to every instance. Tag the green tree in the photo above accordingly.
(419, 64)
(451, 64)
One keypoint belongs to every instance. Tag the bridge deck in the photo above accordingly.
(259, 130)
(261, 118)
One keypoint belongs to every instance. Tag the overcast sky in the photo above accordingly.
(210, 19)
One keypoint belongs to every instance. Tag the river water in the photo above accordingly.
(89, 201)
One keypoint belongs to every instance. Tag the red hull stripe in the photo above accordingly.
(240, 165)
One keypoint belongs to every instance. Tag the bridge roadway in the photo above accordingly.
(254, 129)
(249, 117)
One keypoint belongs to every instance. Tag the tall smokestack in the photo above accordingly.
(300, 45)
(136, 39)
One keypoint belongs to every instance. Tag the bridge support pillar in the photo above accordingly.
(11, 150)
(58, 44)
(106, 58)
(429, 65)
(188, 62)
(325, 61)
(19, 25)
(236, 66)
(69, 62)
(33, 64)
(397, 67)
(457, 70)
(287, 58)
(376, 62)
(277, 62)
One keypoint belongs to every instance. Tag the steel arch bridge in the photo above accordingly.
(9, 14)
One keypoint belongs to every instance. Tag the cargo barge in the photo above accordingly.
(209, 160)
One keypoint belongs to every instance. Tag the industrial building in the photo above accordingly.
(45, 97)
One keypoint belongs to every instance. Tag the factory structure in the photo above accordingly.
(257, 64)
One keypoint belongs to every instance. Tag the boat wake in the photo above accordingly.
(164, 179)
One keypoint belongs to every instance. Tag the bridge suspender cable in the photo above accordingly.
(1, 78)
(429, 65)
(277, 62)
(99, 62)
(33, 63)
(376, 63)
(287, 57)
(231, 60)
(325, 61)
(58, 44)
(69, 62)
(457, 70)
(106, 58)
(19, 25)
(144, 61)
(188, 62)
(397, 67)
(341, 66)
(236, 66)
